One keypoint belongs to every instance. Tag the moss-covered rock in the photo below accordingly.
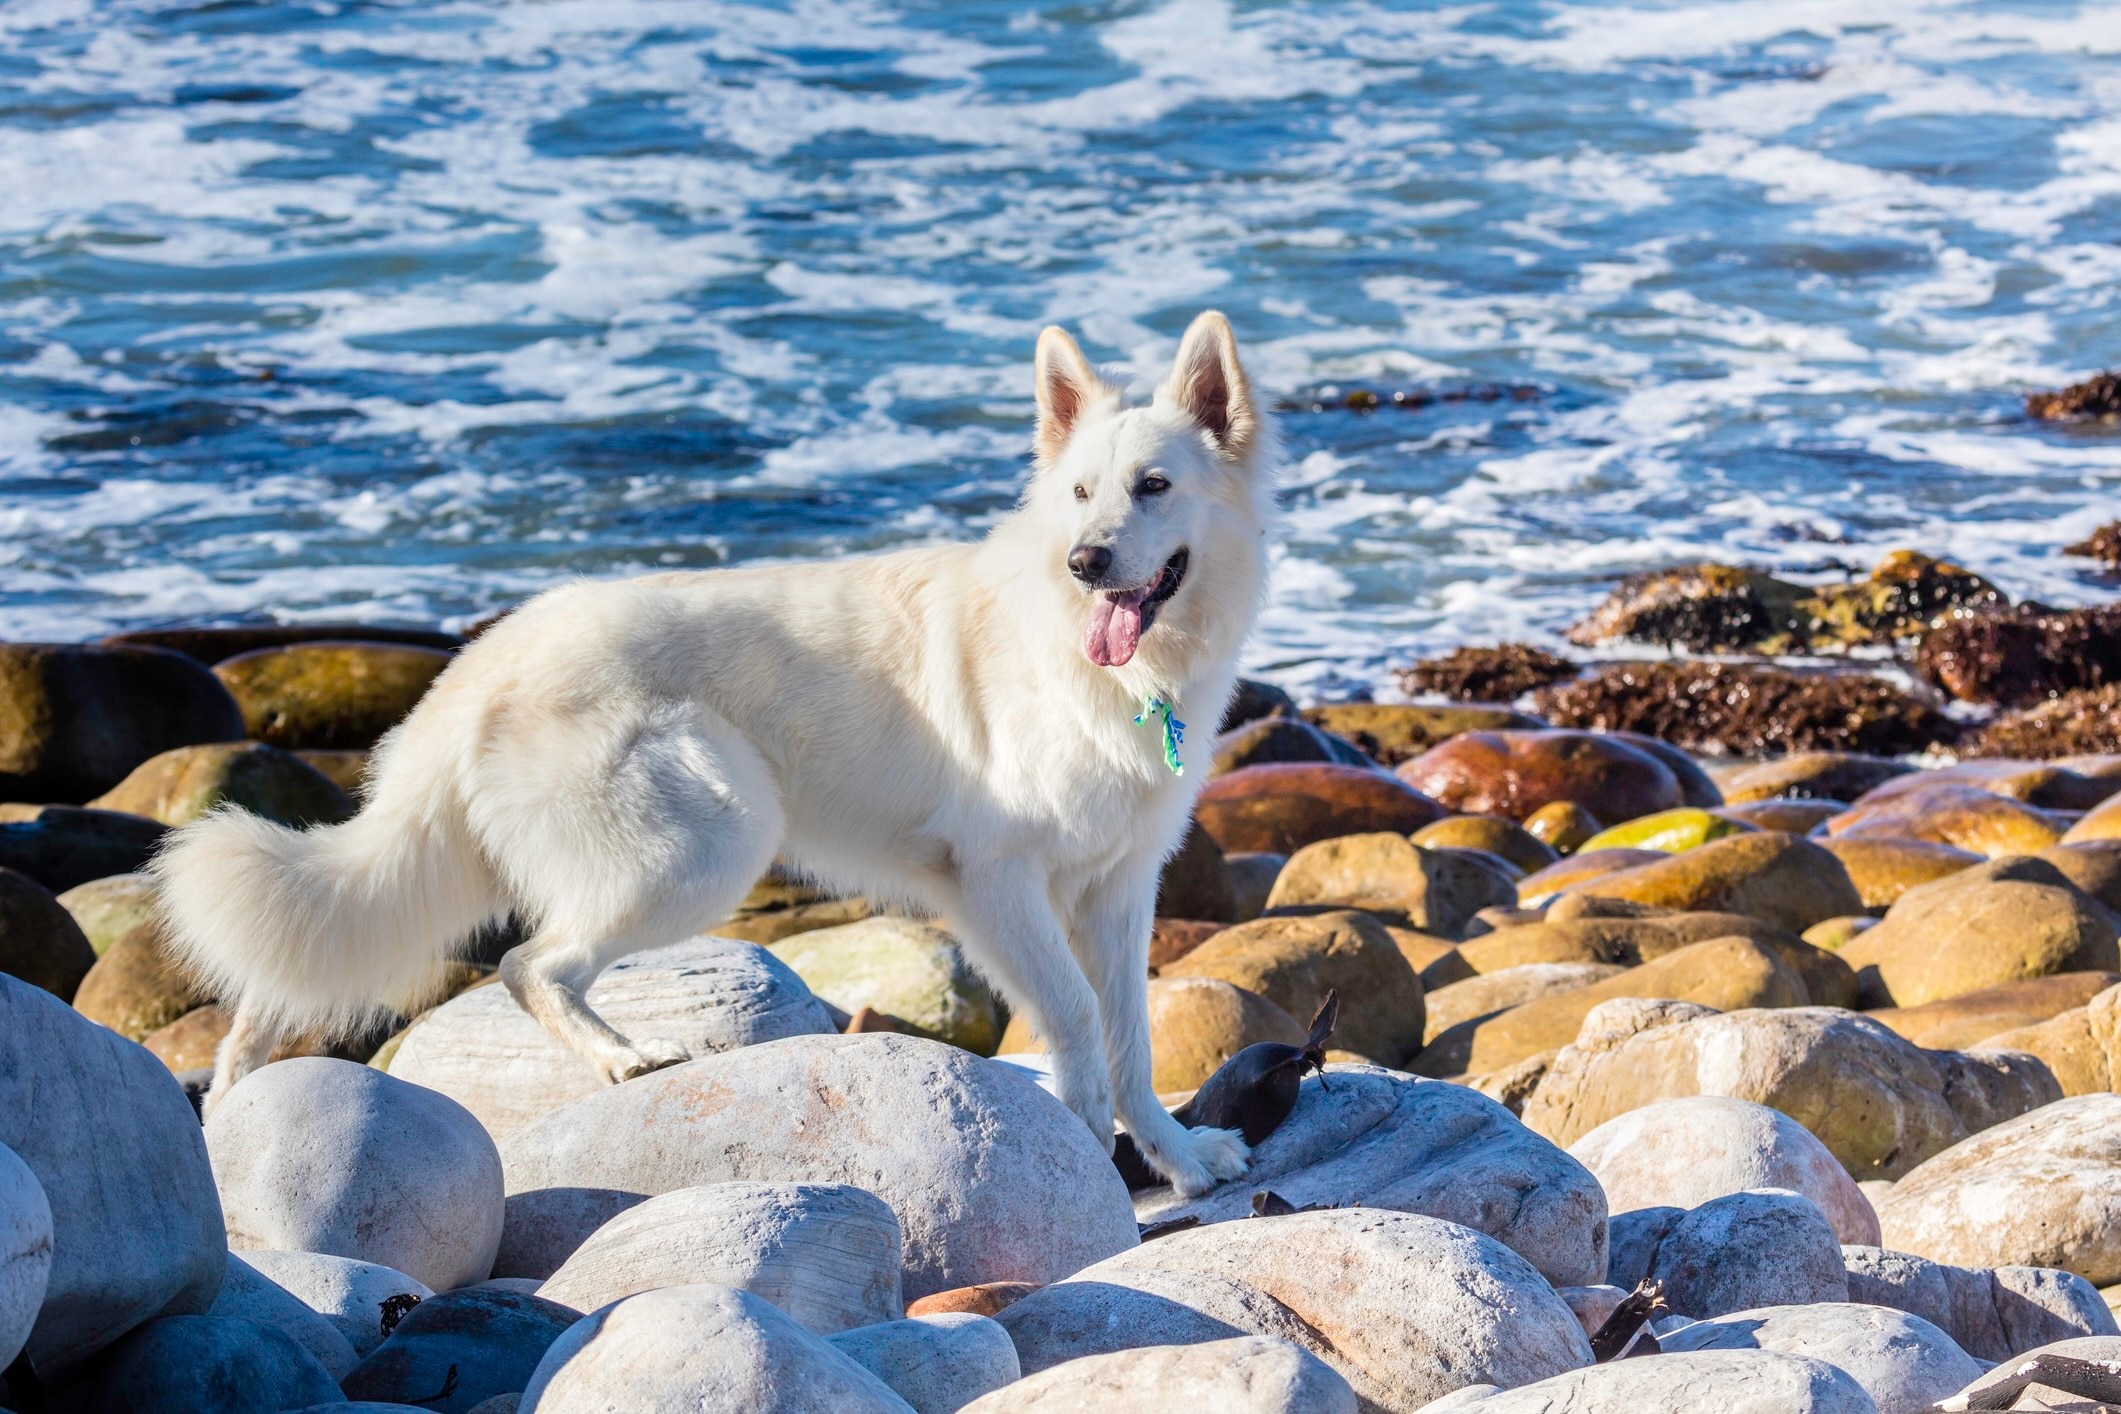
(177, 787)
(107, 909)
(331, 695)
(907, 970)
(1668, 831)
(1499, 674)
(1564, 825)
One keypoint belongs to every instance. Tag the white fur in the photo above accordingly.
(618, 762)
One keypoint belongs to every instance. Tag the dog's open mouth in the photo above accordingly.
(1121, 616)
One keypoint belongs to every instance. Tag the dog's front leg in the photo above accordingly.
(1112, 943)
(1004, 920)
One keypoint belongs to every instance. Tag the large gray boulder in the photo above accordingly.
(25, 1253)
(708, 994)
(475, 1344)
(206, 1365)
(136, 1226)
(1904, 1363)
(826, 1253)
(935, 1363)
(1407, 1308)
(1723, 1381)
(248, 1294)
(1382, 1139)
(1769, 1247)
(700, 1350)
(358, 1298)
(1244, 1375)
(991, 1178)
(1683, 1152)
(322, 1155)
(1993, 1313)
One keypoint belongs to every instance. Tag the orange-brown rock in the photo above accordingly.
(1959, 1022)
(1514, 773)
(1882, 868)
(348, 770)
(1172, 938)
(1435, 890)
(1631, 941)
(180, 785)
(135, 988)
(2048, 784)
(1436, 960)
(1810, 775)
(1564, 825)
(1280, 809)
(2103, 823)
(338, 695)
(1393, 732)
(2093, 866)
(1493, 834)
(1777, 878)
(1195, 883)
(1579, 867)
(1792, 817)
(1946, 812)
(2082, 1046)
(1272, 739)
(987, 1299)
(1195, 1024)
(1294, 961)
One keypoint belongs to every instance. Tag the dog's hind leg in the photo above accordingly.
(1112, 943)
(654, 840)
(1004, 918)
(248, 1045)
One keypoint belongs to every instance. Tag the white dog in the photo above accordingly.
(951, 728)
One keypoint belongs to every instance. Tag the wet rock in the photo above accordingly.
(1282, 739)
(25, 1253)
(1733, 1381)
(1878, 1103)
(1703, 608)
(74, 720)
(1485, 995)
(1279, 809)
(825, 1253)
(2103, 545)
(1294, 961)
(2086, 720)
(1374, 1139)
(1196, 881)
(1993, 923)
(248, 1294)
(1779, 879)
(1725, 973)
(211, 644)
(1741, 709)
(1405, 1308)
(1958, 1022)
(1500, 674)
(64, 847)
(1791, 817)
(2101, 824)
(1696, 787)
(908, 970)
(468, 1345)
(178, 786)
(1242, 1375)
(321, 1155)
(332, 695)
(1767, 1247)
(1906, 594)
(991, 1178)
(1883, 868)
(356, 1297)
(738, 1352)
(2033, 1191)
(136, 987)
(39, 941)
(1490, 833)
(2096, 399)
(1668, 831)
(1993, 1314)
(1904, 1363)
(938, 1363)
(2023, 657)
(107, 909)
(1684, 1152)
(1195, 1025)
(1255, 699)
(1514, 773)
(1811, 775)
(1434, 890)
(1390, 733)
(708, 994)
(2048, 784)
(207, 1365)
(116, 1148)
(1563, 824)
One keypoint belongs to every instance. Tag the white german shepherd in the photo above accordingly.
(953, 729)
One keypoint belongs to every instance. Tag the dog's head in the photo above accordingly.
(1161, 509)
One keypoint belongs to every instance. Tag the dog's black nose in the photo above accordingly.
(1088, 563)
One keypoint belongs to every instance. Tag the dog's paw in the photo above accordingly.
(1209, 1157)
(647, 1054)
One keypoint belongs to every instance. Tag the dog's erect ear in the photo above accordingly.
(1208, 384)
(1067, 386)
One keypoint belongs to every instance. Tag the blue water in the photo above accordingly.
(406, 310)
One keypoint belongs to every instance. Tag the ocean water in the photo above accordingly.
(317, 308)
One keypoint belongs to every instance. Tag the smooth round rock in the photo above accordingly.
(1769, 1247)
(936, 1363)
(39, 941)
(350, 1294)
(78, 717)
(206, 1365)
(136, 1227)
(1993, 1313)
(826, 1253)
(1723, 1381)
(107, 909)
(248, 1294)
(913, 972)
(700, 1349)
(1195, 1025)
(1904, 1363)
(1683, 1152)
(991, 1178)
(319, 1155)
(1244, 1375)
(707, 994)
(177, 787)
(25, 1252)
(1514, 773)
(328, 695)
(477, 1343)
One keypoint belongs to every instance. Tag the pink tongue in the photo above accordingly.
(1115, 629)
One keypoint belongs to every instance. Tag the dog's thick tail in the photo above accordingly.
(319, 930)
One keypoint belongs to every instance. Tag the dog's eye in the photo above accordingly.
(1081, 494)
(1152, 485)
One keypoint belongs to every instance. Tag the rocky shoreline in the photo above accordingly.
(1774, 979)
